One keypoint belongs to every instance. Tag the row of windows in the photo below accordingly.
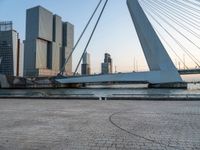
(6, 57)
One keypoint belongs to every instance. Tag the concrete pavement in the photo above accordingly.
(98, 125)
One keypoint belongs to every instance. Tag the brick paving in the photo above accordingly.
(99, 125)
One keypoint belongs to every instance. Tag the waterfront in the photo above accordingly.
(100, 125)
(104, 91)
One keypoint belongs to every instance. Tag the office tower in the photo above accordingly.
(67, 46)
(9, 49)
(85, 67)
(44, 44)
(39, 32)
(54, 53)
(106, 66)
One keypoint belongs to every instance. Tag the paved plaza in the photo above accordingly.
(99, 125)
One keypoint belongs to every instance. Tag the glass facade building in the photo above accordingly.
(9, 50)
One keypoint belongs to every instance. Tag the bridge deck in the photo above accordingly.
(189, 71)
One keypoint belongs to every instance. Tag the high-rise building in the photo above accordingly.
(67, 46)
(85, 67)
(106, 66)
(9, 49)
(46, 44)
(54, 53)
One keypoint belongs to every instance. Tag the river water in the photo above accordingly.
(110, 90)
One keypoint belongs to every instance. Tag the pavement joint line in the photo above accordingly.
(136, 135)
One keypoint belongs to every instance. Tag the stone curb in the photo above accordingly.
(104, 98)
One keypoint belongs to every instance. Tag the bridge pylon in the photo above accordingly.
(155, 53)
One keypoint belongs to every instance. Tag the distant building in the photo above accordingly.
(21, 60)
(9, 49)
(85, 67)
(106, 66)
(48, 42)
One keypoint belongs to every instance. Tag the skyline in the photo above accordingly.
(115, 33)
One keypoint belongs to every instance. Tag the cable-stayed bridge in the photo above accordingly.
(164, 26)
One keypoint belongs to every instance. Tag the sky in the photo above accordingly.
(115, 33)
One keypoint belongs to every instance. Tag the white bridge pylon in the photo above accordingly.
(162, 69)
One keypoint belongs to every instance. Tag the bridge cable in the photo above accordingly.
(192, 3)
(186, 6)
(181, 17)
(181, 9)
(180, 45)
(94, 29)
(171, 48)
(175, 28)
(175, 20)
(186, 51)
(80, 37)
(183, 48)
(183, 13)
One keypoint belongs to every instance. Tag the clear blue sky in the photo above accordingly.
(115, 33)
